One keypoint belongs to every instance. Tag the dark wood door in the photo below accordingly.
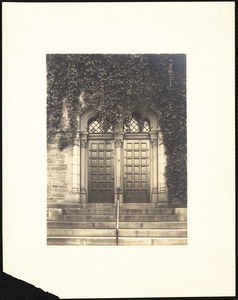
(100, 172)
(136, 171)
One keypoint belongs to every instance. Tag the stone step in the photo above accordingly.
(89, 211)
(112, 232)
(153, 233)
(152, 241)
(147, 211)
(104, 205)
(123, 218)
(75, 225)
(147, 218)
(123, 211)
(81, 232)
(112, 225)
(112, 241)
(65, 241)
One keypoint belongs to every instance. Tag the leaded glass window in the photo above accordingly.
(136, 124)
(95, 126)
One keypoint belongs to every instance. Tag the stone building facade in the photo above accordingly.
(109, 187)
(102, 160)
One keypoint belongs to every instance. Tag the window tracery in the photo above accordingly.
(96, 126)
(136, 124)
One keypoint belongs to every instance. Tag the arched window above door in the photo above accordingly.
(96, 126)
(136, 124)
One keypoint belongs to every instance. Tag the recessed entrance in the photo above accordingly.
(129, 156)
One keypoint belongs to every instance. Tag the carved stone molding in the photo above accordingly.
(76, 143)
(155, 191)
(77, 135)
(77, 139)
(160, 136)
(84, 143)
(118, 143)
(154, 142)
(71, 151)
(118, 127)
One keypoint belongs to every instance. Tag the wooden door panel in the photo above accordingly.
(100, 172)
(136, 171)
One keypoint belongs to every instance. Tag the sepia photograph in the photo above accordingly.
(116, 149)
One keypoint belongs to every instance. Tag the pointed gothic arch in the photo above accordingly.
(130, 156)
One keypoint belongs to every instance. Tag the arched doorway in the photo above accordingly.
(136, 169)
(100, 162)
(129, 157)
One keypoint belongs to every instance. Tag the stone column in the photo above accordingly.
(162, 192)
(154, 142)
(118, 166)
(76, 165)
(83, 192)
(73, 193)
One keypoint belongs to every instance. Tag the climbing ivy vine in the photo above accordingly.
(110, 84)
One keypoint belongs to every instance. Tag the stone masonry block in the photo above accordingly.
(55, 214)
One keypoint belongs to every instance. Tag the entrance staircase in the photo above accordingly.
(95, 224)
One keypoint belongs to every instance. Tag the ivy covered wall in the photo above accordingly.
(110, 84)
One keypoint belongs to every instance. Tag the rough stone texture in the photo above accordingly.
(96, 225)
(55, 214)
(112, 241)
(58, 171)
(181, 213)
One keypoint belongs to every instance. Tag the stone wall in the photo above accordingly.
(59, 169)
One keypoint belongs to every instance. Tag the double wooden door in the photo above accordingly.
(101, 171)
(135, 171)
